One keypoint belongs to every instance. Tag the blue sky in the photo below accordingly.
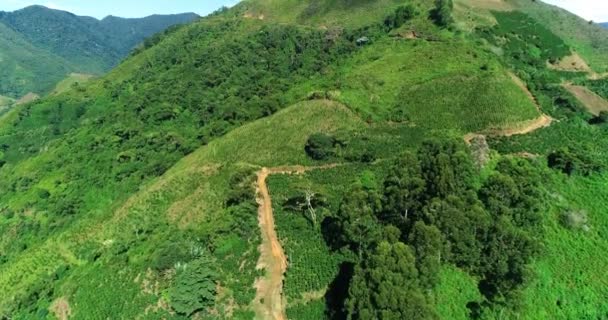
(122, 8)
(596, 10)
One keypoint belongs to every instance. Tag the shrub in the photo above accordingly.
(573, 161)
(194, 288)
(320, 146)
(167, 256)
(575, 220)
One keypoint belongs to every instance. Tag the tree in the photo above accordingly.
(320, 146)
(574, 160)
(528, 202)
(499, 194)
(464, 224)
(427, 242)
(401, 15)
(504, 265)
(403, 192)
(443, 12)
(356, 219)
(385, 286)
(446, 167)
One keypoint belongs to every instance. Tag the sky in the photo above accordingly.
(122, 8)
(596, 10)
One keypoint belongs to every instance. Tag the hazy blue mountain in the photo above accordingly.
(45, 44)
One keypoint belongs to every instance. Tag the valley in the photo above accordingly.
(41, 47)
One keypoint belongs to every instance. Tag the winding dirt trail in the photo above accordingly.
(269, 302)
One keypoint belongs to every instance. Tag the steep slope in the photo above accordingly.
(132, 196)
(587, 39)
(26, 68)
(43, 45)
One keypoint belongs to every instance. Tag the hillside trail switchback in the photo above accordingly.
(269, 302)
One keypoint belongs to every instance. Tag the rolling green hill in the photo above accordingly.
(133, 195)
(42, 46)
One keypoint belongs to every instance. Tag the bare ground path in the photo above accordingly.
(269, 302)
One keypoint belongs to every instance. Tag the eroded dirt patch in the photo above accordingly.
(572, 63)
(593, 102)
(61, 308)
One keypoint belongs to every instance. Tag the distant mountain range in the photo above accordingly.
(41, 46)
(604, 24)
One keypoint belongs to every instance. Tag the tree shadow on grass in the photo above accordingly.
(338, 292)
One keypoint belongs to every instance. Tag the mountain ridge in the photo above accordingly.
(88, 45)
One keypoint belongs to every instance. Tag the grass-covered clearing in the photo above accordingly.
(447, 84)
(73, 80)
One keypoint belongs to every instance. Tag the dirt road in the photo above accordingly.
(269, 302)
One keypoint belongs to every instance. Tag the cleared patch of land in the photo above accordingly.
(472, 13)
(30, 97)
(72, 80)
(593, 102)
(572, 63)
(61, 309)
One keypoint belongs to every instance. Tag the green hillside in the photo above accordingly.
(41, 46)
(24, 67)
(588, 39)
(135, 195)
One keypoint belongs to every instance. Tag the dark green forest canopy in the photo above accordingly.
(430, 198)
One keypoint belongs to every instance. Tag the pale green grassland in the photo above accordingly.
(448, 84)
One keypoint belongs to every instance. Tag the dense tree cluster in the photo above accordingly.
(432, 211)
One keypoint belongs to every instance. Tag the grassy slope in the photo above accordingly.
(569, 282)
(5, 104)
(326, 13)
(72, 80)
(171, 200)
(449, 84)
(589, 40)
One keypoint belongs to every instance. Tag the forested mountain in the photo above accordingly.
(325, 159)
(58, 42)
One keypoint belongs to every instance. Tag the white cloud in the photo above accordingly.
(596, 10)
